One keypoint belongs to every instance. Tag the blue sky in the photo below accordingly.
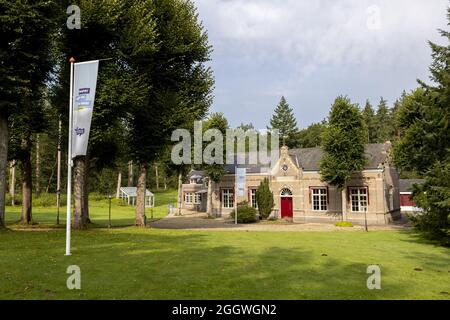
(312, 51)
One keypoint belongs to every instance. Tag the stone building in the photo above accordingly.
(301, 195)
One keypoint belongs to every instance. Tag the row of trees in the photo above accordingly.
(422, 145)
(381, 125)
(155, 81)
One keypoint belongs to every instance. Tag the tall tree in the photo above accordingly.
(384, 122)
(164, 49)
(343, 143)
(369, 119)
(99, 33)
(284, 120)
(215, 171)
(424, 146)
(26, 30)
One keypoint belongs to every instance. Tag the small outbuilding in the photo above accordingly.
(129, 195)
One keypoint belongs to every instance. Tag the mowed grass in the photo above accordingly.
(144, 263)
(127, 262)
(121, 214)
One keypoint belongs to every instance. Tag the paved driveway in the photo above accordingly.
(199, 221)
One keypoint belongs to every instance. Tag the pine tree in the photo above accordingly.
(424, 121)
(369, 119)
(384, 123)
(284, 120)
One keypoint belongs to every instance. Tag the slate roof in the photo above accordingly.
(405, 185)
(309, 158)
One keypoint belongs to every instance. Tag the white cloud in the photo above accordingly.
(303, 38)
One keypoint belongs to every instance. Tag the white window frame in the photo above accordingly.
(229, 193)
(253, 198)
(188, 198)
(197, 198)
(319, 196)
(360, 197)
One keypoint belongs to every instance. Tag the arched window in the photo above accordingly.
(286, 192)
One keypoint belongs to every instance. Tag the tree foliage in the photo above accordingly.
(283, 119)
(424, 123)
(264, 199)
(343, 143)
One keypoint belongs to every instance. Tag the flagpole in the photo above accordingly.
(69, 160)
(235, 196)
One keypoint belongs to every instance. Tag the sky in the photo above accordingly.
(313, 51)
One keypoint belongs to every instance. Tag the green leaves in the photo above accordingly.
(343, 143)
(264, 199)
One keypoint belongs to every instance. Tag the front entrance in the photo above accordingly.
(286, 204)
(286, 207)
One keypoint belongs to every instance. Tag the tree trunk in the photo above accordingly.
(27, 183)
(12, 183)
(58, 174)
(344, 203)
(4, 138)
(209, 202)
(156, 176)
(86, 189)
(38, 168)
(130, 174)
(180, 195)
(119, 184)
(79, 214)
(140, 201)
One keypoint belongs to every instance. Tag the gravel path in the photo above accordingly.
(199, 221)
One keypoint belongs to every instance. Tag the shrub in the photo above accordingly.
(264, 199)
(343, 224)
(245, 214)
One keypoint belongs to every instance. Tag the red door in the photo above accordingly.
(286, 207)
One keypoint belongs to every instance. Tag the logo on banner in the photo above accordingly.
(79, 131)
(240, 181)
(82, 100)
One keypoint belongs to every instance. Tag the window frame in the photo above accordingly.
(188, 198)
(323, 207)
(230, 195)
(360, 199)
(252, 197)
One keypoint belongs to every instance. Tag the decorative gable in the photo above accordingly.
(285, 167)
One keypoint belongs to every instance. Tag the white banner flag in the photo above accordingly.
(85, 82)
(240, 181)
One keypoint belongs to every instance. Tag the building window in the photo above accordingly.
(227, 198)
(319, 199)
(253, 202)
(188, 197)
(198, 198)
(358, 197)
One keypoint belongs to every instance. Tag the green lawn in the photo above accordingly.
(144, 263)
(121, 215)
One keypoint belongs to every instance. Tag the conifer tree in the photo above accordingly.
(284, 120)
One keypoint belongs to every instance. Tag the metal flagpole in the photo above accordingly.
(235, 196)
(69, 160)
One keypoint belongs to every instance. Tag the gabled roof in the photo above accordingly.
(132, 191)
(405, 185)
(309, 158)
